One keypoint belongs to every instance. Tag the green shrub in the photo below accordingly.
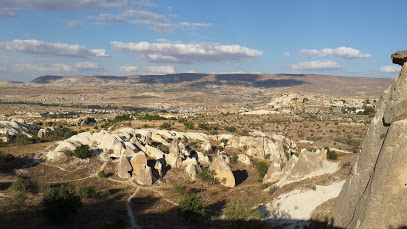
(230, 129)
(19, 200)
(165, 125)
(88, 192)
(180, 189)
(189, 125)
(20, 185)
(331, 154)
(191, 208)
(101, 174)
(59, 203)
(61, 134)
(207, 175)
(262, 168)
(22, 139)
(238, 213)
(82, 151)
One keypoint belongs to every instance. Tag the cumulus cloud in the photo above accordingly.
(156, 22)
(110, 18)
(146, 15)
(316, 65)
(9, 7)
(390, 68)
(140, 69)
(3, 68)
(341, 52)
(55, 49)
(186, 53)
(55, 68)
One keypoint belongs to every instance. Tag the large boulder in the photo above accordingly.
(273, 174)
(374, 194)
(223, 173)
(206, 146)
(307, 163)
(138, 161)
(124, 168)
(144, 176)
(45, 132)
(191, 170)
(154, 152)
(138, 144)
(244, 159)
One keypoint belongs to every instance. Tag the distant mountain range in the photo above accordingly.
(324, 84)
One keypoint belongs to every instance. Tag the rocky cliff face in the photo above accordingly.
(375, 192)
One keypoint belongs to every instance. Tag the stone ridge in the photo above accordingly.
(373, 195)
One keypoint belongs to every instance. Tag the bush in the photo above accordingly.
(235, 210)
(180, 189)
(22, 139)
(189, 125)
(19, 200)
(5, 157)
(331, 154)
(238, 213)
(82, 152)
(230, 129)
(20, 185)
(61, 134)
(191, 208)
(59, 203)
(233, 159)
(102, 174)
(88, 192)
(207, 175)
(262, 168)
(165, 125)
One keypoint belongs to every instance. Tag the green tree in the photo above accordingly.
(59, 203)
(82, 151)
(262, 168)
(191, 208)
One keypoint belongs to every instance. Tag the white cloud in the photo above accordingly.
(341, 52)
(109, 18)
(9, 7)
(55, 49)
(161, 40)
(3, 68)
(287, 54)
(146, 15)
(157, 70)
(62, 5)
(390, 68)
(75, 24)
(316, 65)
(186, 53)
(55, 68)
(195, 25)
(85, 65)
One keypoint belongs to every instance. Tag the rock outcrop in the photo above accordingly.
(223, 173)
(138, 161)
(374, 194)
(144, 176)
(124, 167)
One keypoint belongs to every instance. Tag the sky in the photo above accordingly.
(125, 37)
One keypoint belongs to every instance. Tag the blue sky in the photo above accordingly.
(123, 37)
